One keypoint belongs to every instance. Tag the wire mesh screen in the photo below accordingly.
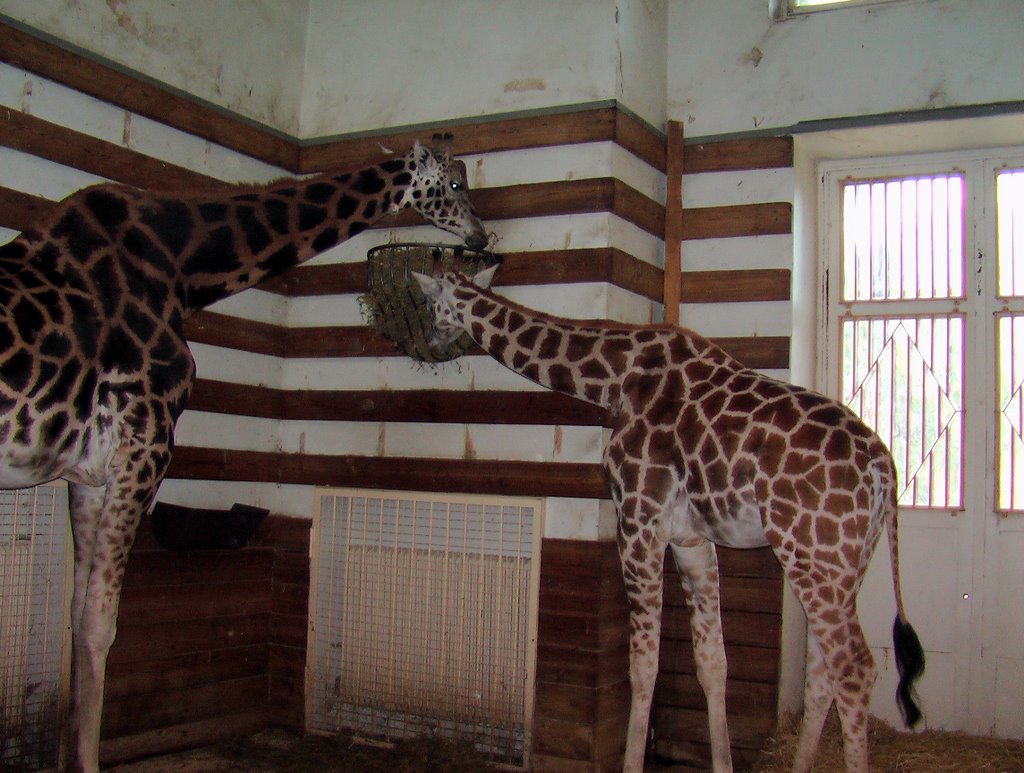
(35, 571)
(423, 617)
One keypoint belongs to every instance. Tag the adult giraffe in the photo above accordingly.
(95, 368)
(704, 451)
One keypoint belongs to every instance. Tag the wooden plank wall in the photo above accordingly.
(582, 692)
(210, 645)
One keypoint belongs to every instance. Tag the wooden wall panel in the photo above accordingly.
(582, 688)
(20, 210)
(192, 653)
(483, 476)
(739, 155)
(752, 622)
(211, 644)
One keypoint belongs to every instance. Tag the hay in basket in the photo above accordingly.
(395, 306)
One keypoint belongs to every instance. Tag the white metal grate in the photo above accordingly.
(35, 602)
(903, 238)
(1010, 341)
(901, 333)
(423, 617)
(904, 377)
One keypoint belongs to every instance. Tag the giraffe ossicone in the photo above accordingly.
(95, 368)
(706, 452)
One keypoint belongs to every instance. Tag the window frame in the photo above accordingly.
(981, 302)
(780, 10)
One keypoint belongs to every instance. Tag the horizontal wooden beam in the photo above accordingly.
(29, 134)
(759, 352)
(559, 197)
(739, 155)
(139, 94)
(738, 220)
(745, 285)
(482, 476)
(483, 136)
(20, 210)
(539, 267)
(421, 405)
(216, 329)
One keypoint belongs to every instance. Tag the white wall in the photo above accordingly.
(246, 57)
(395, 62)
(317, 68)
(731, 69)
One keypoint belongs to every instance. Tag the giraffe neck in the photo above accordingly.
(239, 240)
(593, 360)
(582, 359)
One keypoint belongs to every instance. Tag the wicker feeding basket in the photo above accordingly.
(395, 306)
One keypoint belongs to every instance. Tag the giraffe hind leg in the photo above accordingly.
(818, 699)
(850, 671)
(641, 571)
(697, 563)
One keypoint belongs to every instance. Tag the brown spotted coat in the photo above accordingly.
(706, 452)
(95, 368)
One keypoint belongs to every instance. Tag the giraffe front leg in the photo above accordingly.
(641, 555)
(697, 563)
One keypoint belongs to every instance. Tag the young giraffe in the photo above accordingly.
(704, 451)
(94, 365)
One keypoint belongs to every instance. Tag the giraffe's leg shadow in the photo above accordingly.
(697, 562)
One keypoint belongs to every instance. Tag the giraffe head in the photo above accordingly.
(438, 191)
(440, 292)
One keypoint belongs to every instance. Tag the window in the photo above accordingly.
(926, 317)
(1010, 338)
(781, 9)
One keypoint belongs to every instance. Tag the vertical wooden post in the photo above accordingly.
(673, 221)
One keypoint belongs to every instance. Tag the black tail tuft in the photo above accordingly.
(910, 664)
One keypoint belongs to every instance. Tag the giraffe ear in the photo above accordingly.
(483, 278)
(430, 285)
(420, 152)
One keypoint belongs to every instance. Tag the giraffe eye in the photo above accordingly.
(455, 186)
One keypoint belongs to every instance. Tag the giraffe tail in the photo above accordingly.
(907, 647)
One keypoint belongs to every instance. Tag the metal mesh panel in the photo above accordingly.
(423, 618)
(35, 572)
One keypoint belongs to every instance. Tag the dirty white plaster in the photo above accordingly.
(392, 63)
(732, 69)
(247, 57)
